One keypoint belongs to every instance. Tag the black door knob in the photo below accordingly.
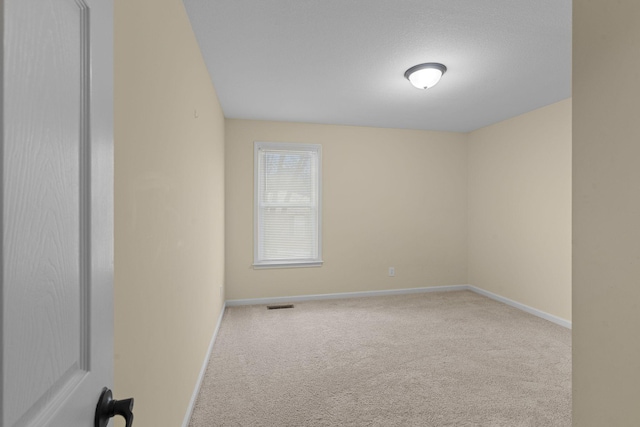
(108, 408)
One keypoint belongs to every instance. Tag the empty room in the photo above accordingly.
(320, 213)
(344, 179)
(488, 206)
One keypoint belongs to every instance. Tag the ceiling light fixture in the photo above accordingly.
(424, 76)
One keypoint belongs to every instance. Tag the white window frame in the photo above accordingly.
(284, 263)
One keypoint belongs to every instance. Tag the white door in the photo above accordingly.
(56, 190)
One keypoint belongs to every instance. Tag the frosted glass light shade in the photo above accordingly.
(424, 76)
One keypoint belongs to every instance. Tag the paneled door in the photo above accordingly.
(56, 300)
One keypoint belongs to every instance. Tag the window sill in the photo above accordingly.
(286, 264)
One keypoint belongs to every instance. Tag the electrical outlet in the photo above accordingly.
(392, 271)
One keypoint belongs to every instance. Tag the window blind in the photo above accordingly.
(287, 203)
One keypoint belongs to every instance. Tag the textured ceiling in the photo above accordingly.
(343, 61)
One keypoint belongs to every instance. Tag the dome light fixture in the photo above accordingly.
(424, 76)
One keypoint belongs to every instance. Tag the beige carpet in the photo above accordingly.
(431, 359)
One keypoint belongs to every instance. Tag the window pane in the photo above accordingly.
(289, 233)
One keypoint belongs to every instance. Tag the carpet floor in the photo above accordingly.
(430, 359)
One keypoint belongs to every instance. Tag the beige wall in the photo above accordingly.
(520, 209)
(169, 209)
(606, 213)
(390, 198)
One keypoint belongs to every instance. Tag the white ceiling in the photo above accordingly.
(343, 61)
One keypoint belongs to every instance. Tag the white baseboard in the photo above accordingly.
(278, 300)
(550, 317)
(203, 369)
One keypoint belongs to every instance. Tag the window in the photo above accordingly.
(287, 205)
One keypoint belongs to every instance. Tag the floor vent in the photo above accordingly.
(279, 306)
